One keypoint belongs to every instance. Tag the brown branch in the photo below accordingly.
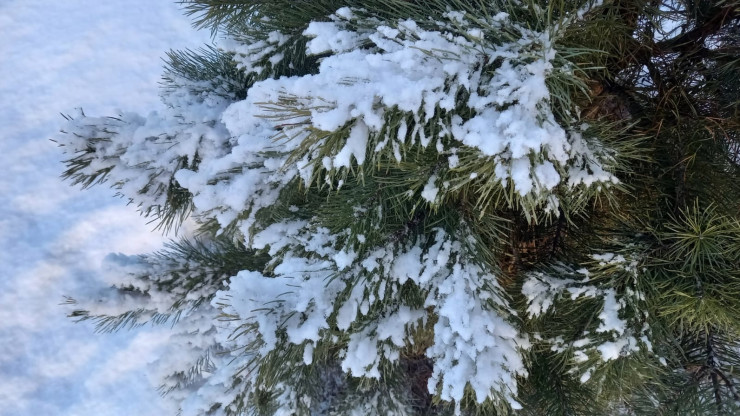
(719, 17)
(711, 366)
(687, 43)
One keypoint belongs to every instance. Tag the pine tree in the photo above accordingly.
(423, 207)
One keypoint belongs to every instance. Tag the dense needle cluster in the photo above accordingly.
(436, 207)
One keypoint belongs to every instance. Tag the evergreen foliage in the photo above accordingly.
(423, 207)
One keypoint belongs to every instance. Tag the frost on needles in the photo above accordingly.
(362, 174)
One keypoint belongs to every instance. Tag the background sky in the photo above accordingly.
(56, 56)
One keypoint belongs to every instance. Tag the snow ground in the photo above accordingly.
(58, 55)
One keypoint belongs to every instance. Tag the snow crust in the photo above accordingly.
(57, 56)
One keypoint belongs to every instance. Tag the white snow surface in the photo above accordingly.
(57, 56)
